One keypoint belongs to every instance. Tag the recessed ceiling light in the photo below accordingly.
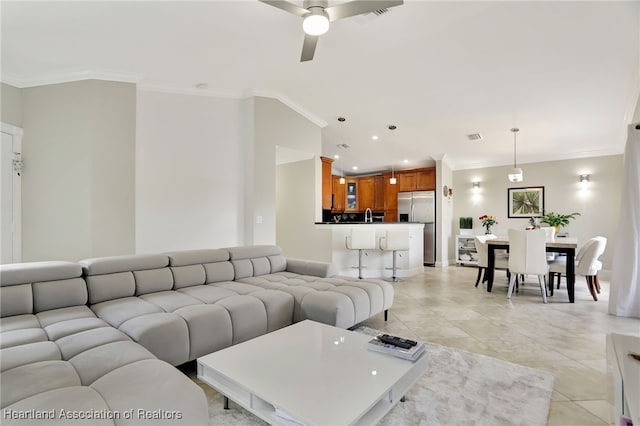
(405, 161)
(374, 137)
(355, 167)
(336, 156)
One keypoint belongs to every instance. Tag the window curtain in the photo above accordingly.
(624, 295)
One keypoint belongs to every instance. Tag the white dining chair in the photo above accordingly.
(586, 264)
(527, 255)
(501, 259)
(551, 236)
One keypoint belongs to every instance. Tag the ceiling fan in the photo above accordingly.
(317, 14)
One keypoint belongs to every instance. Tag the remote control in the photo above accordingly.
(397, 341)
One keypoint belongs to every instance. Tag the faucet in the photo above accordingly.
(368, 215)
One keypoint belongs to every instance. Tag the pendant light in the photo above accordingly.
(342, 179)
(515, 175)
(393, 179)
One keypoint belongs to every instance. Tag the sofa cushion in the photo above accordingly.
(153, 280)
(32, 272)
(243, 268)
(31, 379)
(252, 252)
(115, 264)
(66, 328)
(74, 344)
(49, 295)
(248, 316)
(187, 276)
(201, 319)
(194, 257)
(208, 293)
(261, 266)
(74, 399)
(164, 334)
(150, 385)
(48, 318)
(169, 301)
(278, 263)
(116, 312)
(28, 354)
(111, 286)
(100, 360)
(19, 322)
(16, 300)
(22, 337)
(219, 271)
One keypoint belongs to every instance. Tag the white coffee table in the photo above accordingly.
(314, 373)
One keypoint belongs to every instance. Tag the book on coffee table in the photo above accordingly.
(411, 354)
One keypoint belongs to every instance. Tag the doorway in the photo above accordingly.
(10, 194)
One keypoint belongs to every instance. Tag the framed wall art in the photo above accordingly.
(526, 202)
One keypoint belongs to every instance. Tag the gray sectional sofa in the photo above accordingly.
(100, 337)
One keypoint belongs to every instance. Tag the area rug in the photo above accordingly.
(459, 388)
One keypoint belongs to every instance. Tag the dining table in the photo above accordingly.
(564, 245)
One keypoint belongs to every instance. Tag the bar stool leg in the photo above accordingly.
(360, 264)
(393, 274)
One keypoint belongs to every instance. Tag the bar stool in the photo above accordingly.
(395, 240)
(361, 239)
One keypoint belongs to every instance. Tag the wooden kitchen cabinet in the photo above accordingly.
(366, 193)
(390, 199)
(407, 182)
(426, 179)
(378, 194)
(327, 182)
(339, 195)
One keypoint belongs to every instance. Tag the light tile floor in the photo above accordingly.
(568, 339)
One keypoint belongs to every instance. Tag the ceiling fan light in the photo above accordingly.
(516, 175)
(316, 23)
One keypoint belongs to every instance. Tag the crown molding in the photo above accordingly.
(288, 102)
(71, 75)
(68, 76)
(542, 159)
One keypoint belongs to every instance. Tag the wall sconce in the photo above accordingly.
(584, 180)
(476, 185)
(447, 192)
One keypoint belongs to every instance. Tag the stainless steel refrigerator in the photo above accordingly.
(420, 207)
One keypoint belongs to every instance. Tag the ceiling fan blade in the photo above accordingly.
(354, 8)
(287, 6)
(308, 47)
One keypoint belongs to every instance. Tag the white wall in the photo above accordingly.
(77, 184)
(598, 205)
(11, 107)
(295, 195)
(444, 213)
(189, 172)
(276, 125)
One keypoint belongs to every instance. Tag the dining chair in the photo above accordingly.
(501, 262)
(527, 255)
(587, 264)
(551, 236)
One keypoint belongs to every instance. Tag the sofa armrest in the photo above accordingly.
(310, 267)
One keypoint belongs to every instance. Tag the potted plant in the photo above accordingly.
(558, 220)
(466, 226)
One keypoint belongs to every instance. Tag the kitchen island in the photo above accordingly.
(409, 262)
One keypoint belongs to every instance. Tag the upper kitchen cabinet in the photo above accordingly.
(417, 180)
(406, 181)
(327, 182)
(378, 193)
(366, 189)
(339, 195)
(426, 179)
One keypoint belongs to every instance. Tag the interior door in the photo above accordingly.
(10, 223)
(6, 189)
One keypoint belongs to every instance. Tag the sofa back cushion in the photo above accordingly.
(197, 267)
(115, 277)
(27, 288)
(252, 261)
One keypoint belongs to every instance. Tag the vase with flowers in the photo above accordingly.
(488, 221)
